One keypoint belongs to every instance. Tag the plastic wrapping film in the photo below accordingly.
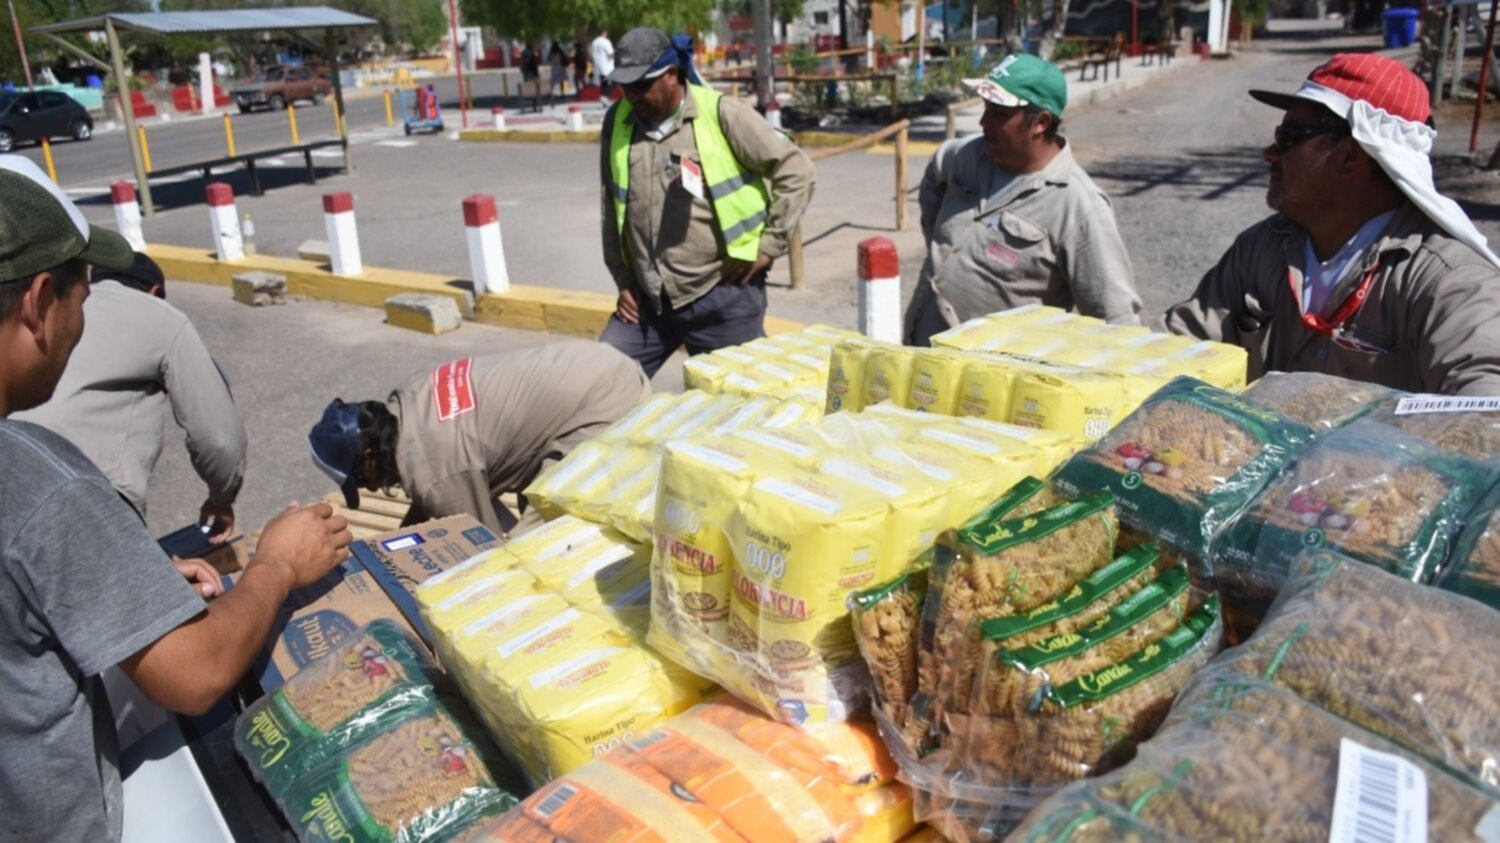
(612, 479)
(787, 366)
(1466, 425)
(1383, 497)
(1473, 568)
(1413, 664)
(886, 621)
(1190, 459)
(722, 772)
(761, 536)
(1315, 399)
(1243, 759)
(380, 675)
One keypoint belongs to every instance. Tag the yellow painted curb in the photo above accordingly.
(412, 320)
(577, 313)
(912, 148)
(526, 136)
(813, 140)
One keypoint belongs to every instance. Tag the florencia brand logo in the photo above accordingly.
(687, 557)
(777, 604)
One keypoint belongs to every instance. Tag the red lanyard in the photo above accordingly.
(1328, 327)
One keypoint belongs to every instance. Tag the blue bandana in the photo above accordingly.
(679, 54)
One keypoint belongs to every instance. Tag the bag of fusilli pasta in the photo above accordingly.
(1383, 497)
(1315, 399)
(1469, 426)
(1242, 760)
(378, 676)
(886, 619)
(425, 779)
(1187, 461)
(1473, 568)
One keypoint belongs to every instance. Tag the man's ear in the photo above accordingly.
(39, 302)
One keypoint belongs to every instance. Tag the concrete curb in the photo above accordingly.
(528, 136)
(577, 313)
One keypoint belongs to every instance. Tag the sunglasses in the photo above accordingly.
(641, 86)
(1289, 136)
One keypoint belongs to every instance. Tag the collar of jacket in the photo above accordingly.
(1057, 173)
(688, 111)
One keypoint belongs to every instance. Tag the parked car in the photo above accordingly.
(274, 87)
(31, 116)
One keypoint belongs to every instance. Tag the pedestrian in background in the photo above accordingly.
(602, 51)
(699, 195)
(580, 66)
(558, 61)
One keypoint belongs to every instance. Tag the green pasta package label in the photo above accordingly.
(380, 675)
(424, 780)
(1473, 568)
(1190, 459)
(1381, 496)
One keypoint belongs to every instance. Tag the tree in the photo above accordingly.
(41, 51)
(533, 19)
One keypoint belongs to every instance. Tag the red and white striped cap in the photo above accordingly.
(1383, 82)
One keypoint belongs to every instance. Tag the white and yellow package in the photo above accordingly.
(608, 579)
(985, 387)
(761, 378)
(468, 644)
(917, 509)
(1218, 363)
(607, 482)
(555, 488)
(706, 372)
(802, 544)
(968, 484)
(827, 333)
(512, 661)
(1029, 313)
(664, 424)
(479, 566)
(638, 418)
(1079, 402)
(474, 600)
(798, 445)
(846, 375)
(936, 375)
(887, 375)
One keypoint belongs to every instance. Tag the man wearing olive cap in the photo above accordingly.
(699, 196)
(1011, 219)
(1365, 270)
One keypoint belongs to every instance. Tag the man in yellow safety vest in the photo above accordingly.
(700, 195)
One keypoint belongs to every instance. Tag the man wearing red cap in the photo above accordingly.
(1365, 271)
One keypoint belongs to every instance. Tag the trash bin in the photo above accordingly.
(1400, 27)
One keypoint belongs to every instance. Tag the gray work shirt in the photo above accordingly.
(472, 430)
(82, 588)
(997, 240)
(1430, 321)
(139, 359)
(676, 248)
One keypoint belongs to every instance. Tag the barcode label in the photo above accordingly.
(1381, 798)
(555, 802)
(1445, 404)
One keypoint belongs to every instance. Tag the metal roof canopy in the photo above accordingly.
(293, 19)
(226, 20)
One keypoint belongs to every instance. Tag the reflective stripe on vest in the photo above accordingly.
(739, 197)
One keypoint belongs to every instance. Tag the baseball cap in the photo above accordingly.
(142, 274)
(636, 52)
(335, 447)
(41, 228)
(1378, 80)
(1023, 79)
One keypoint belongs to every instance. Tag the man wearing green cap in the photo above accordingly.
(1011, 219)
(83, 587)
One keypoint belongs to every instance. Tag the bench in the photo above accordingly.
(248, 159)
(1162, 51)
(1102, 57)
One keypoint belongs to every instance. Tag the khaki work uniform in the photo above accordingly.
(1431, 321)
(994, 242)
(469, 436)
(677, 253)
(139, 359)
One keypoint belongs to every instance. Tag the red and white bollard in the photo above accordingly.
(343, 239)
(228, 244)
(773, 114)
(127, 214)
(486, 252)
(575, 118)
(879, 290)
(498, 115)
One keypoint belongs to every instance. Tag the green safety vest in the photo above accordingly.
(739, 197)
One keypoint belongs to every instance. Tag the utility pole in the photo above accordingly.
(15, 23)
(764, 71)
(458, 62)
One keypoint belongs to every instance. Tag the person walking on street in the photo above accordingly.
(603, 54)
(456, 438)
(1010, 217)
(580, 66)
(557, 61)
(699, 196)
(140, 362)
(84, 587)
(1364, 270)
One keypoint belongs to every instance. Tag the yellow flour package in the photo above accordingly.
(846, 375)
(935, 381)
(887, 374)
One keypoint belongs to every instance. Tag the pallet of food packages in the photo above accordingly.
(546, 637)
(792, 366)
(1354, 712)
(612, 478)
(761, 536)
(371, 743)
(722, 771)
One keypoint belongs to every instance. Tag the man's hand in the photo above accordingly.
(202, 575)
(218, 519)
(740, 272)
(628, 308)
(304, 543)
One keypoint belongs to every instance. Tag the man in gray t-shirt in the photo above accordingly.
(82, 585)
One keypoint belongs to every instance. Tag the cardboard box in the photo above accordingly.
(403, 559)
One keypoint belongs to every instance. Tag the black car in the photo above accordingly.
(35, 115)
